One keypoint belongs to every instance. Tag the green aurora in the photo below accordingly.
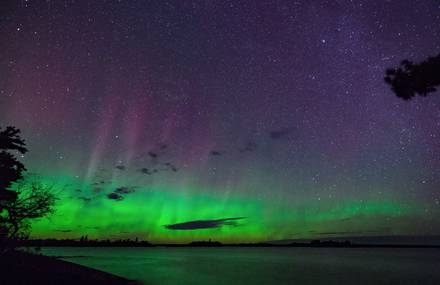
(145, 114)
(145, 212)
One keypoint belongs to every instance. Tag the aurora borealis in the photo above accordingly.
(253, 120)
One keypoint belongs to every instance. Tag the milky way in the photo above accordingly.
(142, 115)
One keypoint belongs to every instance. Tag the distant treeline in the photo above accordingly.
(85, 242)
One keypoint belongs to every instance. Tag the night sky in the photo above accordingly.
(173, 121)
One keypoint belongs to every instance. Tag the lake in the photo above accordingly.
(250, 266)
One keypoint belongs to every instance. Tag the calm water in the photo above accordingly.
(251, 266)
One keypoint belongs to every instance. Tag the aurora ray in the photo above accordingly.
(140, 115)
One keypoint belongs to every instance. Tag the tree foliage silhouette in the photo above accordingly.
(34, 201)
(411, 79)
(18, 207)
(11, 170)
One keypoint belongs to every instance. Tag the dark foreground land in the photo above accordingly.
(24, 268)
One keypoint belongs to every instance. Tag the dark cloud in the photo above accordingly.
(163, 146)
(278, 134)
(145, 171)
(118, 194)
(64, 231)
(248, 147)
(97, 183)
(124, 190)
(153, 155)
(120, 167)
(215, 153)
(85, 199)
(170, 166)
(115, 196)
(205, 224)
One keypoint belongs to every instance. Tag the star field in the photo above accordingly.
(272, 114)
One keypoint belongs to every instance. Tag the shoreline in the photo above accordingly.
(313, 244)
(26, 268)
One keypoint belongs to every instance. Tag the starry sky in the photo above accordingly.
(173, 121)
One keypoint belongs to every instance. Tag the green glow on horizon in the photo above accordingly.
(144, 213)
(175, 113)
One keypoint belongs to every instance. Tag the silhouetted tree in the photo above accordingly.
(32, 202)
(414, 78)
(18, 207)
(11, 170)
